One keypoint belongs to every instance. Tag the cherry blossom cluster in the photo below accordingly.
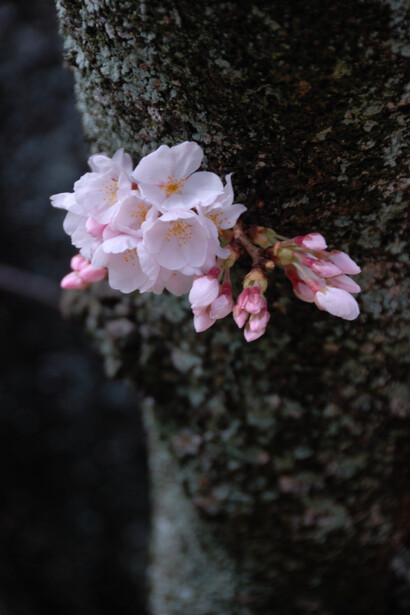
(151, 228)
(166, 225)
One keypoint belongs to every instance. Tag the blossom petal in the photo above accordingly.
(344, 282)
(337, 302)
(203, 292)
(202, 320)
(344, 262)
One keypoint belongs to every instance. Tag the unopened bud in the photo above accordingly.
(258, 236)
(284, 256)
(256, 277)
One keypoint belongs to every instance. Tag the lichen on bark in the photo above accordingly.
(290, 455)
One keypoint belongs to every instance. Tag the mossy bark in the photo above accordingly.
(280, 468)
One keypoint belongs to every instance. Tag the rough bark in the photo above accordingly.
(280, 469)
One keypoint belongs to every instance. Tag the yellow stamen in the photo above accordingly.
(111, 189)
(172, 186)
(180, 232)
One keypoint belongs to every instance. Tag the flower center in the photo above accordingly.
(139, 214)
(109, 190)
(131, 256)
(180, 232)
(172, 185)
(217, 218)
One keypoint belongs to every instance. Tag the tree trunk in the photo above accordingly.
(279, 468)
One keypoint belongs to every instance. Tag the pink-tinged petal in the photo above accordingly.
(240, 316)
(221, 307)
(314, 241)
(72, 281)
(255, 302)
(243, 298)
(78, 262)
(258, 322)
(250, 335)
(303, 292)
(345, 283)
(92, 274)
(337, 302)
(344, 262)
(202, 320)
(325, 269)
(203, 292)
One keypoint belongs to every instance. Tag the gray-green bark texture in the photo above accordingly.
(280, 468)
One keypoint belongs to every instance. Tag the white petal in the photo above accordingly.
(178, 284)
(71, 222)
(203, 292)
(120, 243)
(124, 272)
(152, 193)
(154, 168)
(186, 158)
(63, 200)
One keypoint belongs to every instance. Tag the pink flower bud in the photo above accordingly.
(345, 283)
(325, 269)
(312, 241)
(92, 274)
(256, 326)
(344, 262)
(73, 281)
(251, 336)
(256, 302)
(243, 298)
(240, 316)
(78, 262)
(303, 292)
(221, 307)
(94, 228)
(202, 319)
(258, 322)
(337, 302)
(204, 291)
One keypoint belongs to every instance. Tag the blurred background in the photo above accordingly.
(73, 504)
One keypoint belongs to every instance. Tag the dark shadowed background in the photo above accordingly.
(73, 507)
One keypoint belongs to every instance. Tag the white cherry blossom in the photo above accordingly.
(167, 178)
(121, 255)
(222, 212)
(181, 241)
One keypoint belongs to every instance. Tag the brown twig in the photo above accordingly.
(254, 252)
